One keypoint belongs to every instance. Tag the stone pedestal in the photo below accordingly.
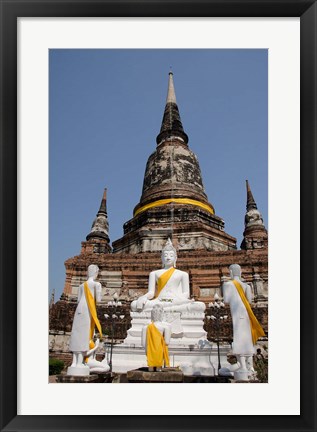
(167, 375)
(184, 350)
(76, 379)
(207, 379)
(241, 375)
(187, 328)
(191, 360)
(93, 378)
(78, 371)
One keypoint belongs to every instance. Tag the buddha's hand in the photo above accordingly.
(141, 302)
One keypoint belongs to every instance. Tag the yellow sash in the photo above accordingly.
(94, 321)
(156, 349)
(256, 329)
(162, 280)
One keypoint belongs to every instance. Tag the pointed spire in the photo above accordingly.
(100, 226)
(171, 97)
(171, 123)
(52, 301)
(255, 234)
(251, 204)
(103, 205)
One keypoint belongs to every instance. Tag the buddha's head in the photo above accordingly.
(235, 271)
(93, 270)
(169, 255)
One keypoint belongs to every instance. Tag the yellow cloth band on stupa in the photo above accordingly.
(162, 202)
(256, 329)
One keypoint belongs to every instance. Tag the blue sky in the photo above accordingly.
(105, 111)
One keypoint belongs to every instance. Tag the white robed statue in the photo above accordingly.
(168, 287)
(246, 328)
(155, 339)
(85, 321)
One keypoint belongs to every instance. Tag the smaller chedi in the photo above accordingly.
(168, 287)
(85, 321)
(155, 339)
(246, 328)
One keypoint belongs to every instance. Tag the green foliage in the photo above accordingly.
(55, 366)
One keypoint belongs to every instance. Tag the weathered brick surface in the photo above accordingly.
(61, 318)
(205, 268)
(67, 357)
(225, 329)
(62, 314)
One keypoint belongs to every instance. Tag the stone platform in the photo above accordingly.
(93, 378)
(187, 328)
(188, 348)
(207, 379)
(167, 375)
(192, 361)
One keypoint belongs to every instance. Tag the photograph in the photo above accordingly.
(158, 215)
(158, 207)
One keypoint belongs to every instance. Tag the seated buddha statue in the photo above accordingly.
(168, 287)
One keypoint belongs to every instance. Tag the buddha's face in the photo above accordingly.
(169, 258)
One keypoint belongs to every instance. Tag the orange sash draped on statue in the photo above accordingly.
(162, 281)
(94, 321)
(156, 348)
(256, 329)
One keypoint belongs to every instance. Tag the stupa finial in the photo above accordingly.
(171, 124)
(251, 204)
(100, 226)
(171, 96)
(103, 205)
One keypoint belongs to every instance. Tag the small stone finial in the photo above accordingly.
(100, 226)
(52, 301)
(255, 234)
(103, 205)
(171, 123)
(253, 216)
(171, 96)
(251, 204)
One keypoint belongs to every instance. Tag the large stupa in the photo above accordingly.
(173, 201)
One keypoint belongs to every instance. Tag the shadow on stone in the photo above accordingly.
(94, 378)
(167, 375)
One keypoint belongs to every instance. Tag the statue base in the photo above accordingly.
(93, 378)
(167, 375)
(191, 361)
(188, 348)
(187, 328)
(242, 375)
(78, 371)
(76, 379)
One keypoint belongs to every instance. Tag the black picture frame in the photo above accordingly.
(10, 11)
